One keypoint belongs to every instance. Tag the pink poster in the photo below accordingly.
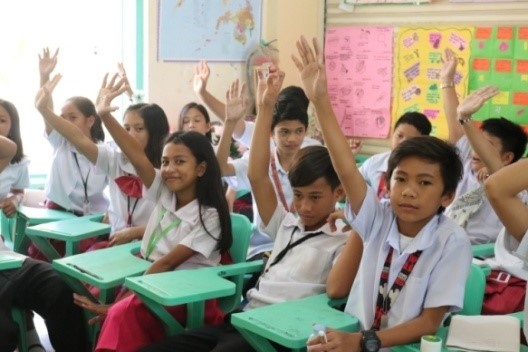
(359, 72)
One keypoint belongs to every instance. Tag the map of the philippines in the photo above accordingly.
(214, 30)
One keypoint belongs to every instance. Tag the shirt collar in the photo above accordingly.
(188, 213)
(290, 222)
(423, 240)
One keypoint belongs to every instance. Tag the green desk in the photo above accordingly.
(290, 323)
(104, 268)
(28, 216)
(71, 231)
(188, 286)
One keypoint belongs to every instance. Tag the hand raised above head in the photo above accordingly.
(236, 101)
(47, 62)
(44, 93)
(108, 91)
(201, 76)
(269, 86)
(473, 102)
(311, 67)
(449, 64)
(122, 73)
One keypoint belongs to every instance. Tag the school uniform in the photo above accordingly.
(115, 164)
(471, 208)
(36, 286)
(129, 324)
(70, 172)
(14, 176)
(301, 272)
(437, 279)
(247, 135)
(374, 170)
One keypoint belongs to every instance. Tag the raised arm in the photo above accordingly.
(489, 155)
(259, 155)
(8, 149)
(235, 111)
(311, 67)
(122, 74)
(47, 64)
(128, 144)
(67, 129)
(201, 76)
(502, 189)
(449, 95)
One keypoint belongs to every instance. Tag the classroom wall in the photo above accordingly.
(169, 84)
(437, 12)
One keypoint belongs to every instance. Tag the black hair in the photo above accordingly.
(87, 108)
(417, 120)
(311, 163)
(512, 136)
(14, 132)
(209, 188)
(202, 110)
(433, 150)
(157, 126)
(292, 104)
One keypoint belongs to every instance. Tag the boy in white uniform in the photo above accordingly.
(305, 247)
(409, 245)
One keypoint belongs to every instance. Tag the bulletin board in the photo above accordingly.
(441, 16)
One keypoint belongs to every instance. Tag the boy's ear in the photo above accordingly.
(339, 192)
(507, 158)
(200, 169)
(447, 199)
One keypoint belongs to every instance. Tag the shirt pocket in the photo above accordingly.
(312, 265)
(411, 300)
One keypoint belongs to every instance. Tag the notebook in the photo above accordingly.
(500, 333)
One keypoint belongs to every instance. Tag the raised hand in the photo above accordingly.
(44, 93)
(311, 66)
(475, 100)
(236, 102)
(201, 76)
(269, 87)
(122, 74)
(108, 91)
(47, 62)
(449, 64)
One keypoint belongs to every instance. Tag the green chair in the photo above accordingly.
(474, 291)
(194, 286)
(7, 229)
(290, 323)
(483, 250)
(71, 231)
(7, 261)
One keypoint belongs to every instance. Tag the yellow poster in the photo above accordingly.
(418, 60)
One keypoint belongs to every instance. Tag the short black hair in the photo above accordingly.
(311, 163)
(292, 104)
(417, 120)
(433, 150)
(512, 136)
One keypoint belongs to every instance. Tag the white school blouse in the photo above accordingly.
(303, 270)
(64, 184)
(114, 163)
(14, 176)
(190, 232)
(260, 241)
(374, 167)
(438, 278)
(484, 225)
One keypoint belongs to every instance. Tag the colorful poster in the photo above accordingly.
(500, 58)
(369, 2)
(418, 56)
(359, 73)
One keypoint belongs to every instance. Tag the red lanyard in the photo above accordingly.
(278, 186)
(382, 188)
(387, 297)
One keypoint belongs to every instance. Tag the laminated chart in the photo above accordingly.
(500, 58)
(359, 74)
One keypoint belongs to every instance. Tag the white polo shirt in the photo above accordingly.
(64, 184)
(303, 270)
(438, 278)
(114, 163)
(484, 225)
(14, 176)
(190, 232)
(374, 168)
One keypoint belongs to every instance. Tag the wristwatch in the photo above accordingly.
(370, 341)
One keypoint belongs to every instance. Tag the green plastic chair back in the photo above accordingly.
(7, 229)
(474, 291)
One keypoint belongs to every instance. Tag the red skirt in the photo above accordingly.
(130, 325)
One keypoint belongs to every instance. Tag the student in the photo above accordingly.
(194, 117)
(15, 177)
(471, 209)
(410, 124)
(505, 285)
(189, 227)
(503, 188)
(147, 123)
(35, 286)
(302, 269)
(73, 184)
(408, 236)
